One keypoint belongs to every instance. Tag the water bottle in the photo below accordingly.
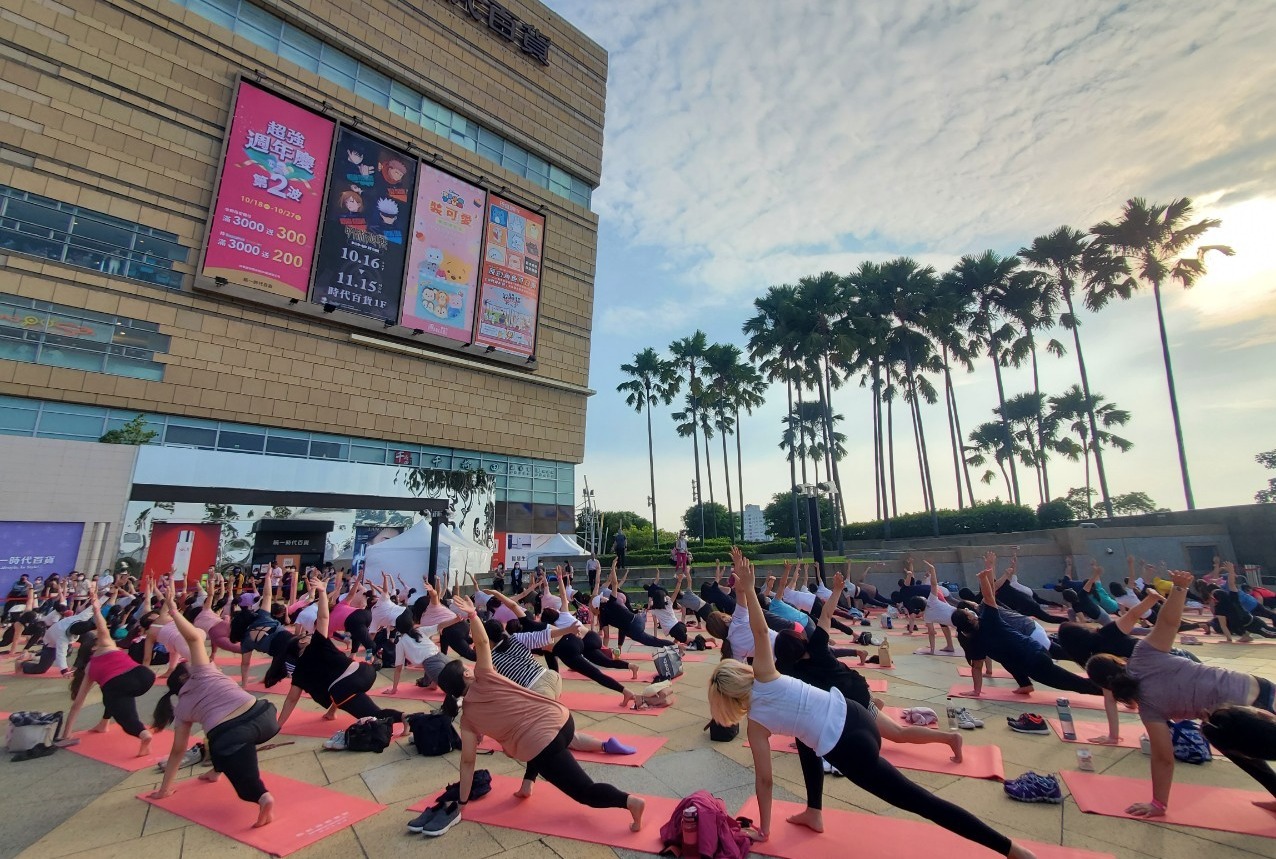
(691, 830)
(952, 716)
(1064, 708)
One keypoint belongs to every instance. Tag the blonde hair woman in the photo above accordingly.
(828, 726)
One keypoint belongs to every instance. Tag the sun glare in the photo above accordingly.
(1245, 284)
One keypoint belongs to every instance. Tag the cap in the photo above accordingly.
(247, 600)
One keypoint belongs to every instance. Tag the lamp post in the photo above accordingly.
(655, 533)
(812, 494)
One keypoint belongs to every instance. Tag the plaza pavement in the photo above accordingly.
(67, 805)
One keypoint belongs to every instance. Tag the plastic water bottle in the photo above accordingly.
(1064, 708)
(691, 830)
(952, 716)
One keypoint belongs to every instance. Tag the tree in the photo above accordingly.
(993, 439)
(1082, 414)
(1081, 501)
(723, 368)
(1150, 238)
(689, 352)
(133, 432)
(1132, 503)
(652, 380)
(717, 516)
(616, 520)
(780, 523)
(1267, 459)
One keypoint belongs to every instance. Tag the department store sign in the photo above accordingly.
(508, 26)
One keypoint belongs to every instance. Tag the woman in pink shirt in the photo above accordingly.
(123, 681)
(234, 722)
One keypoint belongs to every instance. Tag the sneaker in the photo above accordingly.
(422, 821)
(967, 722)
(444, 819)
(1031, 787)
(337, 743)
(1028, 723)
(193, 755)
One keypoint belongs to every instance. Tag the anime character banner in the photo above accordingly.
(365, 227)
(444, 259)
(510, 285)
(263, 225)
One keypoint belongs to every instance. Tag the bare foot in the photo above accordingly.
(633, 671)
(1018, 851)
(954, 742)
(945, 650)
(145, 746)
(1267, 806)
(810, 818)
(1025, 690)
(100, 727)
(636, 806)
(267, 813)
(524, 790)
(329, 716)
(628, 699)
(213, 775)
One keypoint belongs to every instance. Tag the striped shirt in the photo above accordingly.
(513, 656)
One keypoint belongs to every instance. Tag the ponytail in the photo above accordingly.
(452, 681)
(405, 626)
(451, 707)
(1110, 673)
(163, 716)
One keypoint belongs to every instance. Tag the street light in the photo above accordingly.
(812, 494)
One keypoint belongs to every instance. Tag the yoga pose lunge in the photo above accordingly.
(827, 726)
(1166, 687)
(529, 727)
(234, 722)
(416, 646)
(612, 612)
(256, 630)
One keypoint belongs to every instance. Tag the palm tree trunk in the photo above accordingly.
(830, 451)
(708, 476)
(797, 533)
(1089, 503)
(1174, 400)
(739, 470)
(1004, 475)
(952, 432)
(695, 444)
(965, 466)
(801, 431)
(917, 444)
(726, 471)
(1085, 388)
(1001, 400)
(925, 456)
(881, 449)
(1041, 431)
(890, 445)
(651, 467)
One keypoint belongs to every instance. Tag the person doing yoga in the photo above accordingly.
(1166, 687)
(1247, 736)
(416, 646)
(123, 681)
(256, 630)
(612, 612)
(987, 636)
(826, 725)
(234, 722)
(530, 728)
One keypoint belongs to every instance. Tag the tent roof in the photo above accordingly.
(560, 546)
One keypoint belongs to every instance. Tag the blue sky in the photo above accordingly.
(750, 143)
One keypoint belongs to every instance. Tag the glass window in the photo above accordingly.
(288, 445)
(190, 436)
(259, 26)
(61, 355)
(322, 449)
(220, 12)
(135, 368)
(248, 442)
(559, 182)
(372, 85)
(301, 48)
(514, 158)
(338, 68)
(366, 453)
(17, 420)
(61, 420)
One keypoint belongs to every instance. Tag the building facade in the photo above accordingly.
(115, 137)
(755, 524)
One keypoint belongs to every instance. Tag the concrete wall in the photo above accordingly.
(50, 480)
(1252, 528)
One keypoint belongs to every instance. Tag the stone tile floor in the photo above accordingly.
(66, 805)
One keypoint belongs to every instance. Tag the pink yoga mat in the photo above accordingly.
(283, 687)
(646, 656)
(896, 714)
(1001, 674)
(304, 813)
(603, 702)
(852, 662)
(1219, 808)
(878, 835)
(307, 723)
(549, 812)
(622, 674)
(877, 685)
(925, 651)
(977, 761)
(1085, 730)
(120, 750)
(646, 747)
(1039, 698)
(409, 691)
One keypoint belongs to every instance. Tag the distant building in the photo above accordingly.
(754, 525)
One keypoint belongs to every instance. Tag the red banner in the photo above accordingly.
(186, 550)
(510, 285)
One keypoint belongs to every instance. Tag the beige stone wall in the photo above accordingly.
(121, 107)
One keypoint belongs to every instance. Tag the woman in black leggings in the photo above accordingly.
(1247, 736)
(529, 727)
(570, 649)
(825, 725)
(612, 612)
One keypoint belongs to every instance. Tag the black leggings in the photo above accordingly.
(357, 625)
(1041, 668)
(232, 747)
(1244, 751)
(457, 637)
(639, 634)
(857, 756)
(556, 765)
(119, 698)
(599, 655)
(869, 596)
(571, 650)
(712, 593)
(1016, 600)
(350, 693)
(41, 664)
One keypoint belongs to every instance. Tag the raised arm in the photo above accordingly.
(1130, 619)
(482, 646)
(1096, 572)
(763, 658)
(321, 602)
(194, 635)
(1166, 628)
(510, 604)
(830, 604)
(987, 586)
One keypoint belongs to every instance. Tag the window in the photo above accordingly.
(322, 449)
(242, 441)
(287, 445)
(190, 436)
(70, 421)
(266, 30)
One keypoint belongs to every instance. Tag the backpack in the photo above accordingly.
(1189, 744)
(370, 734)
(868, 639)
(433, 734)
(668, 663)
(720, 836)
(31, 728)
(697, 643)
(721, 733)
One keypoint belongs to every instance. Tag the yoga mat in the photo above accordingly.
(1220, 808)
(227, 659)
(409, 691)
(876, 685)
(925, 651)
(977, 761)
(307, 723)
(878, 835)
(120, 750)
(646, 747)
(622, 674)
(1129, 733)
(549, 812)
(1038, 698)
(852, 662)
(646, 656)
(602, 702)
(304, 813)
(1002, 674)
(283, 687)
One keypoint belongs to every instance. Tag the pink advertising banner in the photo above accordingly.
(266, 218)
(444, 260)
(510, 285)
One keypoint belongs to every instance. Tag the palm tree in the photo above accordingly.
(689, 352)
(1150, 237)
(736, 384)
(992, 439)
(1082, 414)
(652, 380)
(1063, 256)
(948, 323)
(1033, 432)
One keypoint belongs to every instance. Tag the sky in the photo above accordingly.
(751, 143)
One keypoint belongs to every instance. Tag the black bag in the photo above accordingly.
(479, 788)
(372, 734)
(722, 733)
(697, 643)
(433, 734)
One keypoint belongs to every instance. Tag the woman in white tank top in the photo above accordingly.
(827, 726)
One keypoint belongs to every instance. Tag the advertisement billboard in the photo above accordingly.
(265, 220)
(365, 226)
(37, 549)
(369, 535)
(444, 256)
(509, 289)
(184, 549)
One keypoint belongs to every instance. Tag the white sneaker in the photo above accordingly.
(337, 743)
(967, 722)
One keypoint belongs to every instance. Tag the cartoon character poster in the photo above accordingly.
(444, 258)
(510, 285)
(365, 228)
(266, 216)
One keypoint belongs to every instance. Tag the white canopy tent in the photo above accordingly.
(560, 547)
(408, 556)
(478, 558)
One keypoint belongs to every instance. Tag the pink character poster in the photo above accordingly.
(266, 216)
(444, 259)
(510, 284)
